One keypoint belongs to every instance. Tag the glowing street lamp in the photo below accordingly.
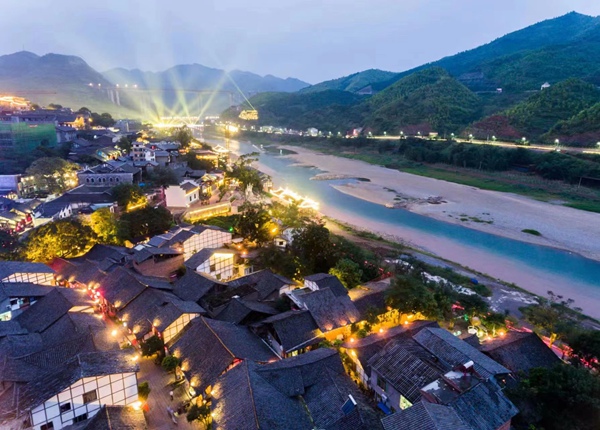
(494, 138)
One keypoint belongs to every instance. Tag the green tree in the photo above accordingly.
(147, 221)
(103, 119)
(53, 174)
(348, 272)
(586, 347)
(106, 226)
(9, 245)
(152, 345)
(200, 413)
(247, 176)
(163, 177)
(563, 397)
(170, 363)
(408, 294)
(254, 223)
(66, 238)
(196, 163)
(129, 196)
(184, 136)
(125, 145)
(313, 250)
(279, 261)
(143, 391)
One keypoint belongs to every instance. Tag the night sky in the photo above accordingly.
(313, 40)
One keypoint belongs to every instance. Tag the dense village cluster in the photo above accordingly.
(253, 350)
(154, 257)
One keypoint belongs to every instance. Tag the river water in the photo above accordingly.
(533, 267)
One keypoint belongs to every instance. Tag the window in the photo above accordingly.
(404, 403)
(381, 383)
(90, 396)
(65, 407)
(47, 426)
(80, 418)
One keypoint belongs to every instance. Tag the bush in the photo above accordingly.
(143, 391)
(152, 345)
(531, 231)
(170, 363)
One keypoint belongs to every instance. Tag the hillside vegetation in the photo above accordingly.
(424, 101)
(430, 99)
(539, 113)
(354, 82)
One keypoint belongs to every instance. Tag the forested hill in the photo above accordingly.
(427, 100)
(549, 51)
(354, 82)
(540, 113)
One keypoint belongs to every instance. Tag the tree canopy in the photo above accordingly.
(348, 272)
(129, 196)
(105, 225)
(66, 238)
(53, 174)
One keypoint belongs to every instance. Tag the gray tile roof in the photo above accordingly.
(456, 352)
(325, 280)
(239, 311)
(51, 307)
(8, 268)
(193, 286)
(328, 310)
(188, 186)
(245, 401)
(485, 407)
(294, 329)
(148, 252)
(24, 289)
(407, 366)
(425, 416)
(155, 307)
(520, 352)
(120, 287)
(10, 327)
(303, 392)
(113, 418)
(265, 282)
(198, 258)
(208, 347)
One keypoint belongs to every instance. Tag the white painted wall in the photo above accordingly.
(117, 389)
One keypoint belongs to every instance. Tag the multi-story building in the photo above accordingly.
(109, 173)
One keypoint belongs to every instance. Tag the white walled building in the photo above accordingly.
(192, 239)
(183, 195)
(218, 263)
(73, 392)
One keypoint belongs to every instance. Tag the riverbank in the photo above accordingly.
(502, 214)
(536, 270)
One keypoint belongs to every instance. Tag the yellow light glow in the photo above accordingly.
(136, 405)
(351, 339)
(353, 353)
(114, 332)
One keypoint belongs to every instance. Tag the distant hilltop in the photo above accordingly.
(539, 83)
(69, 80)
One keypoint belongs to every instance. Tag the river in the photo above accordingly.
(533, 267)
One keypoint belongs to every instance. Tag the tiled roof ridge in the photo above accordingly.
(245, 364)
(219, 339)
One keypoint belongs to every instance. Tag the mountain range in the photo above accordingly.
(70, 81)
(495, 89)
